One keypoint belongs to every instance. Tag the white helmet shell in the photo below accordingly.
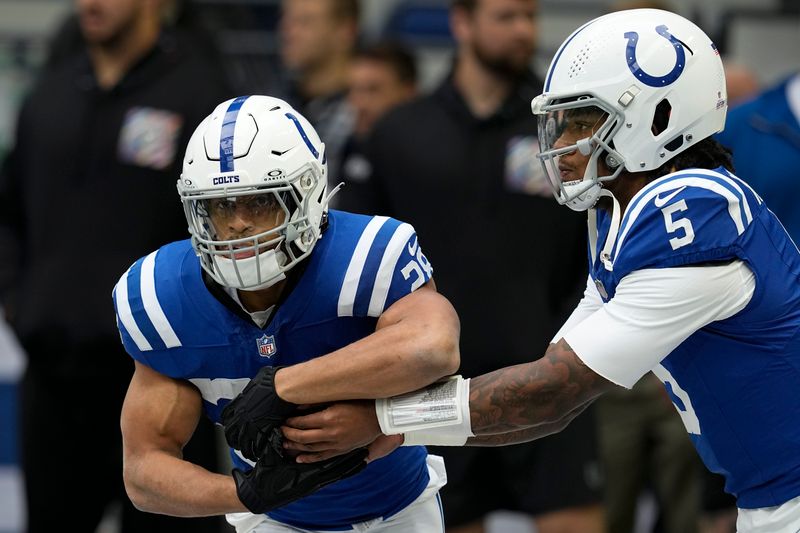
(248, 146)
(627, 64)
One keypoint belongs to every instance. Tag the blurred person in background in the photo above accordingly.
(317, 39)
(741, 82)
(103, 126)
(764, 134)
(382, 76)
(460, 164)
(644, 445)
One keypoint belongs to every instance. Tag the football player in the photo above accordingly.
(344, 304)
(692, 277)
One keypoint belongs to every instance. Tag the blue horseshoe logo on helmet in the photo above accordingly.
(644, 77)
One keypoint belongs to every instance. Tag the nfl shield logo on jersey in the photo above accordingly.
(266, 345)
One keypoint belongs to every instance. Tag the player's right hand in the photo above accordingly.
(276, 481)
(332, 430)
(253, 418)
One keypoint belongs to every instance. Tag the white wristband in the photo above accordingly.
(437, 415)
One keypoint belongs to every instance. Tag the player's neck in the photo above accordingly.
(261, 300)
(624, 188)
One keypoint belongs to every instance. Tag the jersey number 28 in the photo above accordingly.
(417, 264)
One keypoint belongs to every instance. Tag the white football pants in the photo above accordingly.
(780, 519)
(423, 514)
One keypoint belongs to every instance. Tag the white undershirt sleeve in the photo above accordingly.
(590, 303)
(654, 311)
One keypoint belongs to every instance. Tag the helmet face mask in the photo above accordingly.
(581, 125)
(254, 195)
(657, 78)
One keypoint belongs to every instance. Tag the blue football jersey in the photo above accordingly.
(736, 381)
(170, 322)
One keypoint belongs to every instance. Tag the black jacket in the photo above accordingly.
(90, 186)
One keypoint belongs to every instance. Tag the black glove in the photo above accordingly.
(252, 419)
(276, 481)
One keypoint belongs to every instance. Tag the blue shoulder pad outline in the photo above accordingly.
(688, 217)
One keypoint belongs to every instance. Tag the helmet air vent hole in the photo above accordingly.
(674, 144)
(661, 117)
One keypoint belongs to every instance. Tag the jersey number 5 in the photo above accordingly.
(674, 225)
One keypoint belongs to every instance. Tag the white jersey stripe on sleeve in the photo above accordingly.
(151, 305)
(347, 296)
(126, 316)
(733, 183)
(386, 270)
(733, 203)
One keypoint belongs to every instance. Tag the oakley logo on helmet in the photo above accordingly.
(644, 77)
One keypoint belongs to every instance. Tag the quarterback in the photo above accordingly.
(692, 277)
(344, 304)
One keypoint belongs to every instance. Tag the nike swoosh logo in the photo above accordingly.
(662, 201)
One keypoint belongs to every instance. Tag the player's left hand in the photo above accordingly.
(252, 419)
(332, 431)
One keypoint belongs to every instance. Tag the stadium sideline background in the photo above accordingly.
(762, 35)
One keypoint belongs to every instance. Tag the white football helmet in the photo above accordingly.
(254, 153)
(653, 77)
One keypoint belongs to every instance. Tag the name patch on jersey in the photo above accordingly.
(266, 345)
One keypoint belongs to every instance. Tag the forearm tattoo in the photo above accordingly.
(530, 394)
(527, 434)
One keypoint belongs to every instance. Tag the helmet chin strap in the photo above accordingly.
(334, 192)
(585, 199)
(616, 215)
